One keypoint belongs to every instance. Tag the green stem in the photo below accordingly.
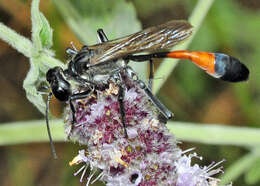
(30, 132)
(17, 41)
(215, 134)
(195, 19)
(35, 131)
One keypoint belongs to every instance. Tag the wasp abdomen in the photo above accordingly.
(230, 68)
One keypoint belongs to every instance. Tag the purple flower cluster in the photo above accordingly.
(149, 156)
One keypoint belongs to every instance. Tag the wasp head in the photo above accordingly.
(59, 86)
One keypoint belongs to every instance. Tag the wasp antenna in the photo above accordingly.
(53, 151)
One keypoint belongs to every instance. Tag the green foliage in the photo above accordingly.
(240, 166)
(228, 28)
(117, 18)
(46, 33)
(37, 50)
(253, 175)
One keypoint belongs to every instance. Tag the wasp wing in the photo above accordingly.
(148, 40)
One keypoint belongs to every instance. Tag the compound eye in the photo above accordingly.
(61, 89)
(53, 73)
(50, 75)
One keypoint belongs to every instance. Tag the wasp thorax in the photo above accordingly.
(78, 65)
(59, 86)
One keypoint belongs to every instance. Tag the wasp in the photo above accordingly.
(94, 67)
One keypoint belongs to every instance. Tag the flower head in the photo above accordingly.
(149, 156)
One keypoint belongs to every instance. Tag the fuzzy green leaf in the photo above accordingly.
(41, 30)
(46, 33)
(36, 26)
(29, 85)
(41, 59)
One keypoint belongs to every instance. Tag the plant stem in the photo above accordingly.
(215, 134)
(35, 131)
(30, 132)
(17, 41)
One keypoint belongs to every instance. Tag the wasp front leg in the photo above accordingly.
(75, 97)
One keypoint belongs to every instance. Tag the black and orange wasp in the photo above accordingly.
(94, 67)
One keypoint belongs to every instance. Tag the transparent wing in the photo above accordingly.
(149, 40)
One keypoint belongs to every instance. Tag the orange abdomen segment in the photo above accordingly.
(204, 60)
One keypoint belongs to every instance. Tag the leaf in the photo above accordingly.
(46, 33)
(36, 26)
(29, 85)
(41, 59)
(41, 30)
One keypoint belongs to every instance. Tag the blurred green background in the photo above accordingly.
(231, 26)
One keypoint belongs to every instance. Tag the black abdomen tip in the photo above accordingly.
(235, 71)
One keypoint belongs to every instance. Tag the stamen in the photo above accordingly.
(89, 178)
(83, 174)
(97, 178)
(76, 173)
(188, 150)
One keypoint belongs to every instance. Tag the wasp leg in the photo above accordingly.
(77, 96)
(164, 111)
(102, 36)
(53, 151)
(74, 97)
(150, 82)
(121, 95)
